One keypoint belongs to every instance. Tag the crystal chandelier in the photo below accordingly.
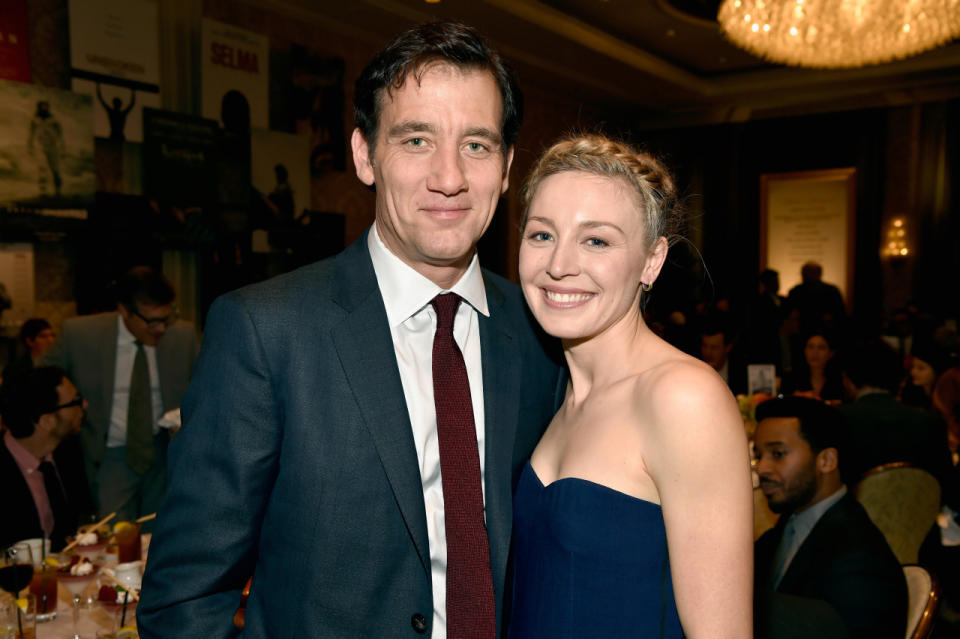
(834, 34)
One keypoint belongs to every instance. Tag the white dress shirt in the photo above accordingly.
(126, 353)
(413, 321)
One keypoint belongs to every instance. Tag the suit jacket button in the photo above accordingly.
(419, 623)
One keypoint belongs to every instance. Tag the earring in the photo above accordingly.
(646, 287)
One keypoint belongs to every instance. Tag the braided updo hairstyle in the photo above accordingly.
(601, 156)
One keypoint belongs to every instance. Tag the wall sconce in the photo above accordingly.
(895, 240)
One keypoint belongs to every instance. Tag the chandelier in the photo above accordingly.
(833, 34)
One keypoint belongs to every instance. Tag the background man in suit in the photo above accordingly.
(132, 366)
(41, 469)
(881, 429)
(326, 400)
(824, 549)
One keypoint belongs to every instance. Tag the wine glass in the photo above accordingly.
(16, 569)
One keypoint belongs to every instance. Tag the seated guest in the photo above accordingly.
(881, 429)
(818, 374)
(36, 338)
(824, 549)
(927, 361)
(41, 470)
(716, 346)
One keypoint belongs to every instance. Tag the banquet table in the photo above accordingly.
(92, 619)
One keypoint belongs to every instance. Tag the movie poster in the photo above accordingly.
(180, 158)
(235, 76)
(46, 147)
(281, 172)
(115, 58)
(14, 50)
(317, 103)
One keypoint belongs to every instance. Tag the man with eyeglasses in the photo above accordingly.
(41, 471)
(133, 366)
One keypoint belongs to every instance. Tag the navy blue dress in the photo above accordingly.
(589, 561)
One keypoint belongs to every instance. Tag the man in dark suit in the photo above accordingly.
(717, 349)
(881, 429)
(820, 303)
(41, 470)
(132, 366)
(824, 549)
(319, 419)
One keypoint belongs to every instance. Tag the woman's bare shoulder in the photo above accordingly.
(682, 393)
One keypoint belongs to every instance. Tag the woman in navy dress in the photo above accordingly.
(634, 516)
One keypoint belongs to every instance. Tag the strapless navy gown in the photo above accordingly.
(589, 561)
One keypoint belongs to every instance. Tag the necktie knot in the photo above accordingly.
(446, 306)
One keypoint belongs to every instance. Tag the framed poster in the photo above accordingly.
(809, 216)
(115, 59)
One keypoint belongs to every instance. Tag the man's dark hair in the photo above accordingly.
(717, 324)
(143, 285)
(411, 51)
(32, 327)
(24, 399)
(820, 424)
(871, 362)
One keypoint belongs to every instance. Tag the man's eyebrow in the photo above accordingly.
(484, 132)
(411, 126)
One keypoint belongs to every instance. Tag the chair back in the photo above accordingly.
(923, 595)
(903, 502)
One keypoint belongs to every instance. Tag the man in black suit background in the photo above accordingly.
(880, 429)
(825, 569)
(41, 469)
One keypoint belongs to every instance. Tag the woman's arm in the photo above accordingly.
(697, 456)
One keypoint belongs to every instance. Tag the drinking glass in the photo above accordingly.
(43, 586)
(75, 585)
(16, 568)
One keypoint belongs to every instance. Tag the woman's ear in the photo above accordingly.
(655, 259)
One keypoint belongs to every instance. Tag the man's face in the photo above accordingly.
(69, 419)
(713, 350)
(785, 464)
(438, 166)
(41, 343)
(147, 322)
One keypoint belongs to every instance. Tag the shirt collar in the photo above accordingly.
(806, 519)
(24, 458)
(124, 336)
(405, 291)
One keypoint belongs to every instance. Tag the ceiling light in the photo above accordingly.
(835, 34)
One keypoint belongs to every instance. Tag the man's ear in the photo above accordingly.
(506, 171)
(361, 157)
(827, 460)
(46, 423)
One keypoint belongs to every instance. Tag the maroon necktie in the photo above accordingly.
(470, 602)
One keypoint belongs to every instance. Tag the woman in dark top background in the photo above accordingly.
(819, 374)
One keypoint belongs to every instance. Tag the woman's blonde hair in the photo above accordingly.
(598, 155)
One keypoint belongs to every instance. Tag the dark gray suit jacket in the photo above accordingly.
(87, 350)
(297, 464)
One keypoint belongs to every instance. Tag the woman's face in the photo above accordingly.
(584, 254)
(921, 373)
(817, 352)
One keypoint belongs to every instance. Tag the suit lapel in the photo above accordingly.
(108, 361)
(365, 349)
(809, 555)
(501, 396)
